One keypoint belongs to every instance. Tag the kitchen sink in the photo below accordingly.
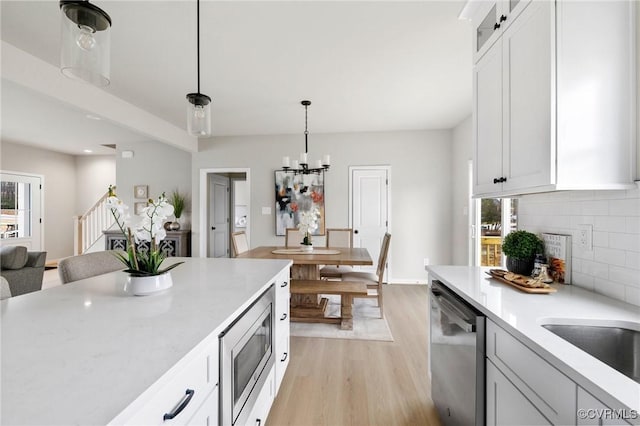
(618, 347)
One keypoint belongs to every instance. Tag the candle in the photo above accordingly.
(318, 164)
(303, 158)
(326, 160)
(285, 162)
(295, 165)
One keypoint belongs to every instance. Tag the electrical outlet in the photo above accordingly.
(585, 237)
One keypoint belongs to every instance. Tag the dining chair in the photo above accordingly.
(293, 238)
(76, 268)
(240, 243)
(337, 237)
(373, 281)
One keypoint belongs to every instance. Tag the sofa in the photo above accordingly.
(22, 269)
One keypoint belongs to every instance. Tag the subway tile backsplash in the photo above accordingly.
(612, 267)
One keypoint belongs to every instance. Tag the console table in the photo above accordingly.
(175, 244)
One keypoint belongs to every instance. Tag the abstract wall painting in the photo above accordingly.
(296, 194)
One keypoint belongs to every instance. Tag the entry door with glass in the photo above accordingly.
(20, 215)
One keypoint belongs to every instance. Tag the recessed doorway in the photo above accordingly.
(225, 208)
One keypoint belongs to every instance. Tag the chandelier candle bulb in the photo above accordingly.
(326, 160)
(295, 165)
(318, 164)
(303, 158)
(285, 162)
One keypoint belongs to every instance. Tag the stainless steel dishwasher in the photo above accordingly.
(457, 356)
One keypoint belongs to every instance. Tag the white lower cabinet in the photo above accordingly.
(592, 411)
(282, 327)
(260, 410)
(541, 388)
(506, 405)
(207, 414)
(182, 391)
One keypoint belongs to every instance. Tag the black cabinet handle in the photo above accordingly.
(355, 232)
(504, 179)
(503, 18)
(283, 317)
(284, 284)
(496, 180)
(213, 228)
(181, 406)
(496, 26)
(284, 357)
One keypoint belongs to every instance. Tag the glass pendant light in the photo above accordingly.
(85, 42)
(199, 108)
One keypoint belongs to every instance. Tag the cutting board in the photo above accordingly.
(532, 290)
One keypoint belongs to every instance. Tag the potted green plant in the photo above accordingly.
(521, 248)
(179, 202)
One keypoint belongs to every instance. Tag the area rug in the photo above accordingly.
(367, 324)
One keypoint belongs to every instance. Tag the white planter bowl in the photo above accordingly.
(144, 286)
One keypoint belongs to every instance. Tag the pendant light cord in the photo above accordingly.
(198, 42)
(306, 132)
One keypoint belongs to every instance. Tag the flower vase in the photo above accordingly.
(307, 247)
(146, 285)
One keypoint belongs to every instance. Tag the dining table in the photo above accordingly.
(306, 267)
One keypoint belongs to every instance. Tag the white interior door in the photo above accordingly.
(369, 209)
(219, 216)
(21, 217)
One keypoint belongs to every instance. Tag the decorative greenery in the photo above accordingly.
(179, 202)
(148, 226)
(522, 245)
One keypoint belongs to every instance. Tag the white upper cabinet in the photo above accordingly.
(554, 96)
(494, 17)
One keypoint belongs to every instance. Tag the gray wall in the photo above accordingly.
(94, 174)
(59, 171)
(160, 166)
(461, 154)
(420, 178)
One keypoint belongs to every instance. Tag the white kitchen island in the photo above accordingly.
(89, 353)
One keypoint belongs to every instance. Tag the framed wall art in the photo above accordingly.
(139, 206)
(296, 194)
(141, 191)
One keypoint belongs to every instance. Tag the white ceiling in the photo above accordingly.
(366, 66)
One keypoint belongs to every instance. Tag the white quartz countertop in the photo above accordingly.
(82, 352)
(522, 315)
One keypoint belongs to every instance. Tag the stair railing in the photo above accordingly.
(88, 227)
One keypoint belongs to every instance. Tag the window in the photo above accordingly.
(15, 217)
(496, 218)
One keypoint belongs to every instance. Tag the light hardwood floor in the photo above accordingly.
(336, 382)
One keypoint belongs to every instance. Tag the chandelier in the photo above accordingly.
(199, 108)
(303, 166)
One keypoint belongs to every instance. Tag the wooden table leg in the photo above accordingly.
(307, 307)
(346, 312)
(305, 272)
